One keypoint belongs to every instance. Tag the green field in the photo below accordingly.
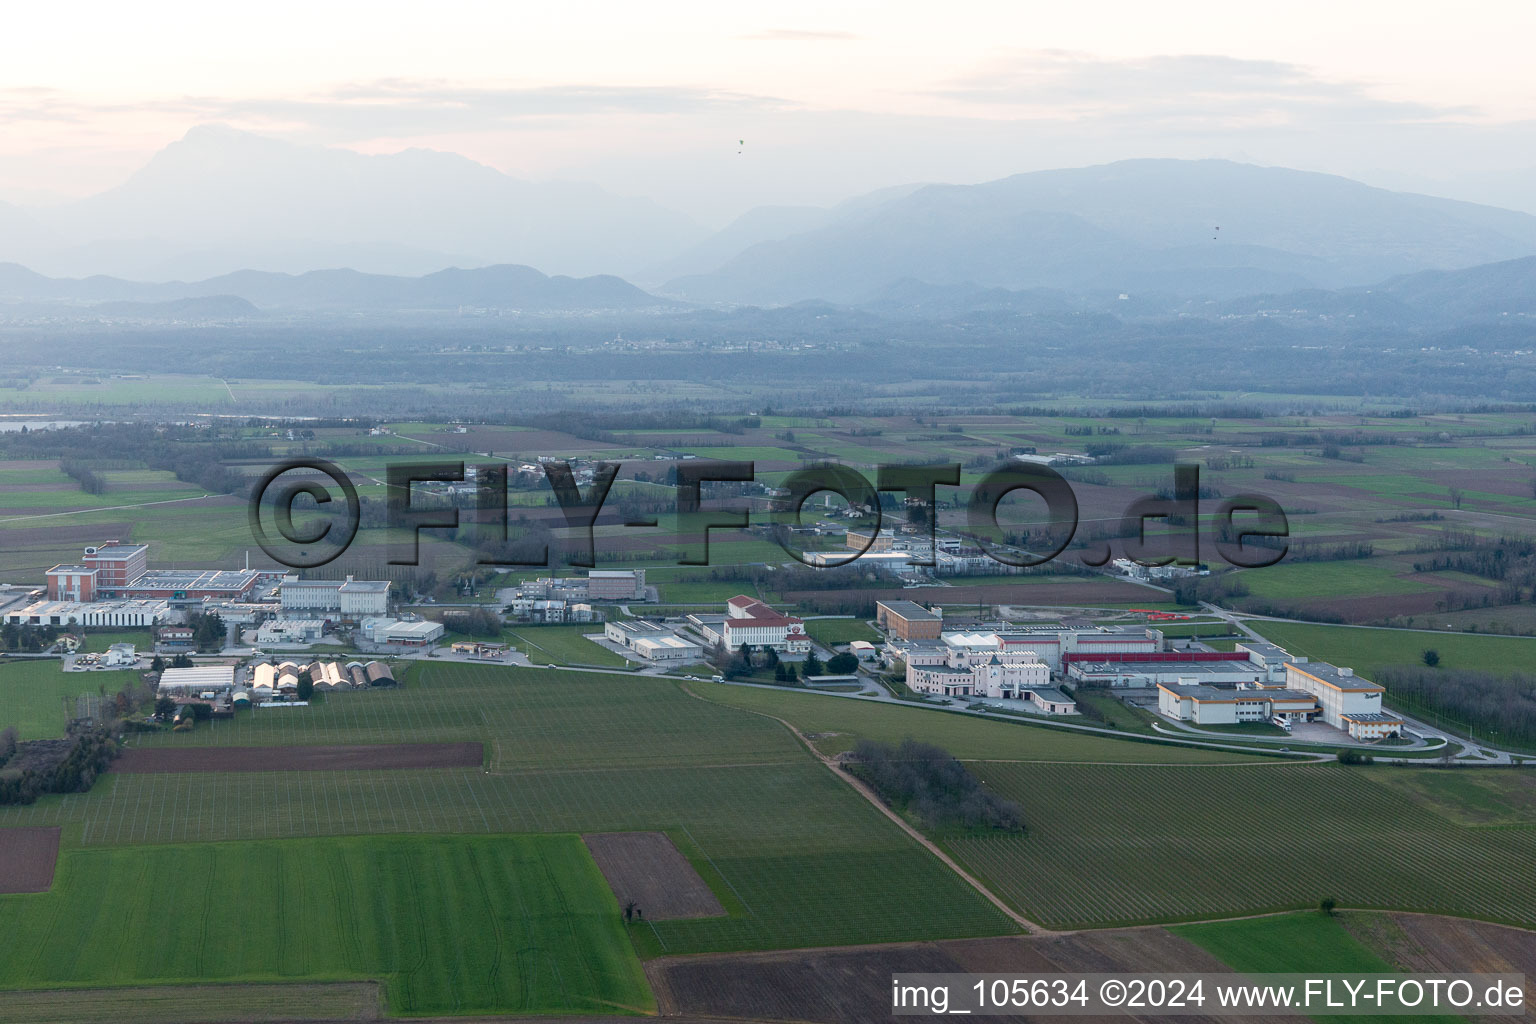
(1289, 943)
(1368, 650)
(793, 853)
(841, 631)
(1367, 577)
(33, 694)
(1293, 944)
(99, 640)
(453, 924)
(562, 645)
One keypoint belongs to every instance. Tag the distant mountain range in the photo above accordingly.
(252, 222)
(1488, 294)
(1174, 228)
(220, 200)
(248, 292)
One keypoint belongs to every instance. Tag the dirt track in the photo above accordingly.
(27, 856)
(161, 760)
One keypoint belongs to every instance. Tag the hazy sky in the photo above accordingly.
(832, 99)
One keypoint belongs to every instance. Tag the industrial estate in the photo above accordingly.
(704, 514)
(168, 698)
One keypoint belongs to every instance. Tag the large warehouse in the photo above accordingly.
(198, 679)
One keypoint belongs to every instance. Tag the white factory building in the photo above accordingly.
(1348, 702)
(651, 640)
(1270, 686)
(290, 631)
(414, 633)
(1187, 700)
(666, 647)
(349, 598)
(625, 632)
(138, 613)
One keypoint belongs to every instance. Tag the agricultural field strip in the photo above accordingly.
(795, 851)
(502, 897)
(1099, 835)
(284, 1003)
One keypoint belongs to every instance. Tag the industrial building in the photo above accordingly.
(1187, 700)
(190, 585)
(550, 610)
(978, 666)
(1147, 670)
(666, 647)
(615, 584)
(327, 675)
(116, 571)
(1348, 702)
(651, 640)
(347, 598)
(1257, 682)
(625, 632)
(290, 631)
(868, 541)
(72, 583)
(116, 565)
(909, 620)
(407, 632)
(95, 613)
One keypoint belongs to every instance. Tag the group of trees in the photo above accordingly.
(1508, 561)
(1501, 707)
(27, 638)
(743, 661)
(69, 765)
(84, 474)
(192, 454)
(926, 782)
(208, 631)
(473, 622)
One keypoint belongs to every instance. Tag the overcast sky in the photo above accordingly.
(830, 99)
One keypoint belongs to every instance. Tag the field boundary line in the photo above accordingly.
(723, 877)
(868, 794)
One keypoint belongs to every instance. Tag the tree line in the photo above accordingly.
(1481, 701)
